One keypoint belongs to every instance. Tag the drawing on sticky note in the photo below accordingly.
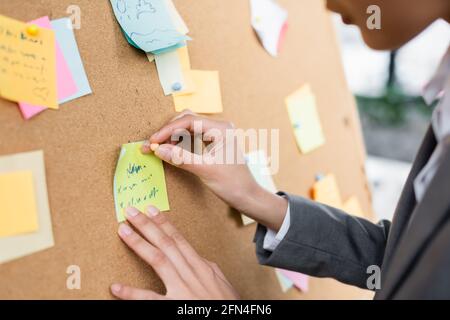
(28, 69)
(139, 181)
(305, 120)
(148, 23)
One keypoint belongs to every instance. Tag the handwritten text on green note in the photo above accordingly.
(139, 181)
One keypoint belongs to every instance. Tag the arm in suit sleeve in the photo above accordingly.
(326, 242)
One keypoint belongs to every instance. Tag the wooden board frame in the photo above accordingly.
(82, 140)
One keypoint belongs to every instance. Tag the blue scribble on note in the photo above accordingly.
(147, 23)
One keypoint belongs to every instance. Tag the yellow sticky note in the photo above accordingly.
(353, 207)
(20, 245)
(139, 181)
(326, 191)
(18, 212)
(206, 98)
(28, 64)
(305, 119)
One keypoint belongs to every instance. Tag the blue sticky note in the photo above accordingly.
(147, 23)
(66, 38)
(129, 39)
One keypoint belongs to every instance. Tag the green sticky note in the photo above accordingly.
(139, 181)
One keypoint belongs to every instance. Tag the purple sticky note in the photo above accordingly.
(65, 83)
(300, 280)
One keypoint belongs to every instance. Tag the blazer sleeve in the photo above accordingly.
(326, 242)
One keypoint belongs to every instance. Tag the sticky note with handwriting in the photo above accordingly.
(148, 23)
(18, 213)
(207, 96)
(28, 68)
(65, 82)
(305, 119)
(139, 181)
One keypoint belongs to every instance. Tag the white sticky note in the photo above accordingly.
(174, 71)
(258, 165)
(270, 23)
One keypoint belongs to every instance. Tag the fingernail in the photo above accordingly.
(146, 146)
(132, 212)
(116, 288)
(163, 152)
(152, 211)
(154, 146)
(125, 230)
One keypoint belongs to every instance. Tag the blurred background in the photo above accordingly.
(388, 90)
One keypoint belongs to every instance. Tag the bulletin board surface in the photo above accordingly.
(81, 143)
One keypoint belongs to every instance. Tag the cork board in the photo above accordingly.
(81, 144)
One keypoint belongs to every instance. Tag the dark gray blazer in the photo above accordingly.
(413, 251)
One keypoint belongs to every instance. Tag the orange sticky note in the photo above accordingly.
(28, 64)
(327, 192)
(353, 207)
(206, 98)
(18, 213)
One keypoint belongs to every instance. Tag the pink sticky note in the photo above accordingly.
(65, 83)
(300, 280)
(282, 36)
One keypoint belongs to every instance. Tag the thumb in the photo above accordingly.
(181, 158)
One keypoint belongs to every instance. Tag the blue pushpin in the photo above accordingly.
(319, 176)
(176, 86)
(297, 125)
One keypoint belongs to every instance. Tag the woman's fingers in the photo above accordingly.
(130, 293)
(167, 244)
(189, 122)
(153, 256)
(181, 158)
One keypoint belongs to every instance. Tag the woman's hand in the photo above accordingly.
(229, 180)
(185, 274)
